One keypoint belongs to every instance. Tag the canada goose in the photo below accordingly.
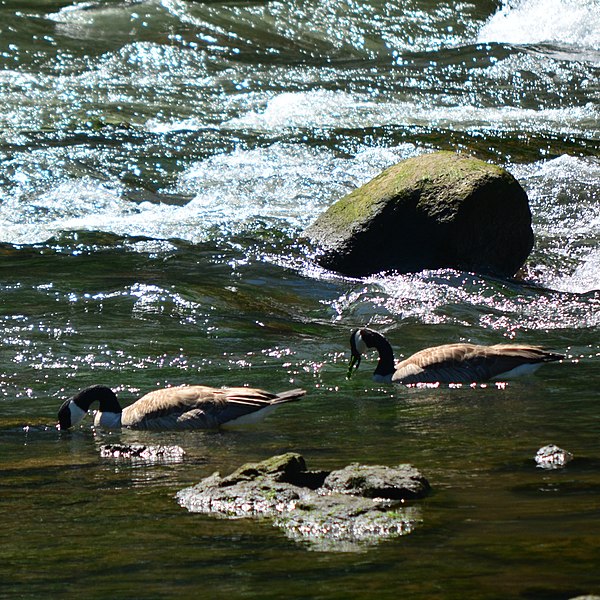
(450, 363)
(185, 407)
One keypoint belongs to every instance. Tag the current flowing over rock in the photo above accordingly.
(438, 210)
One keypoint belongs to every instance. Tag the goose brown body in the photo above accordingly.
(200, 407)
(176, 408)
(449, 363)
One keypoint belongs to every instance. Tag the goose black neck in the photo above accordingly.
(101, 394)
(386, 363)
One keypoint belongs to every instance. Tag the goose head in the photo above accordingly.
(357, 348)
(74, 409)
(364, 339)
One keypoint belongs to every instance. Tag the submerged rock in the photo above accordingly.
(316, 506)
(143, 452)
(439, 210)
(349, 525)
(552, 457)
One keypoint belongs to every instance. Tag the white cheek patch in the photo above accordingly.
(77, 413)
(359, 343)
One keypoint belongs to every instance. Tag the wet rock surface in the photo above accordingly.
(552, 457)
(142, 452)
(438, 210)
(339, 510)
(403, 482)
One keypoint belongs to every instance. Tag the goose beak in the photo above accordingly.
(354, 362)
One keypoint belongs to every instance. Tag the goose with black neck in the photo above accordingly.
(175, 408)
(450, 363)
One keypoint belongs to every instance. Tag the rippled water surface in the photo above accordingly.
(159, 160)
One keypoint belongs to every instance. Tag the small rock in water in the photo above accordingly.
(143, 452)
(552, 457)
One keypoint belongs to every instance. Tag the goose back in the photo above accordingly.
(202, 407)
(465, 363)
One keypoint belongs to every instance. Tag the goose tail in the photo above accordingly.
(289, 396)
(530, 353)
(553, 357)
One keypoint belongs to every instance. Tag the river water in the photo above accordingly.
(159, 160)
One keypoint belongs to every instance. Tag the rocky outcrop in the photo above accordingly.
(439, 210)
(337, 510)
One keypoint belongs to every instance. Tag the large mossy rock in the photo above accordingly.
(439, 210)
(332, 510)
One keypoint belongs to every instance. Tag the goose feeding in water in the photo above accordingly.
(450, 363)
(185, 407)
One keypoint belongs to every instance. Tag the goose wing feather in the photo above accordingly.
(199, 407)
(456, 363)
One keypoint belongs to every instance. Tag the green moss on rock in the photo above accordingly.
(433, 211)
(359, 505)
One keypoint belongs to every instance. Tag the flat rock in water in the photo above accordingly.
(142, 452)
(301, 503)
(439, 210)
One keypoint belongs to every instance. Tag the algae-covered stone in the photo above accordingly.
(347, 523)
(249, 498)
(439, 210)
(377, 481)
(330, 517)
(284, 467)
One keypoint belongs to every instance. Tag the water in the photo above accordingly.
(159, 160)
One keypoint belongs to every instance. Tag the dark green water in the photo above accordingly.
(158, 160)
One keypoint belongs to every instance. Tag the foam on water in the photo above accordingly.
(462, 301)
(565, 198)
(285, 183)
(290, 185)
(586, 276)
(572, 22)
(330, 109)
